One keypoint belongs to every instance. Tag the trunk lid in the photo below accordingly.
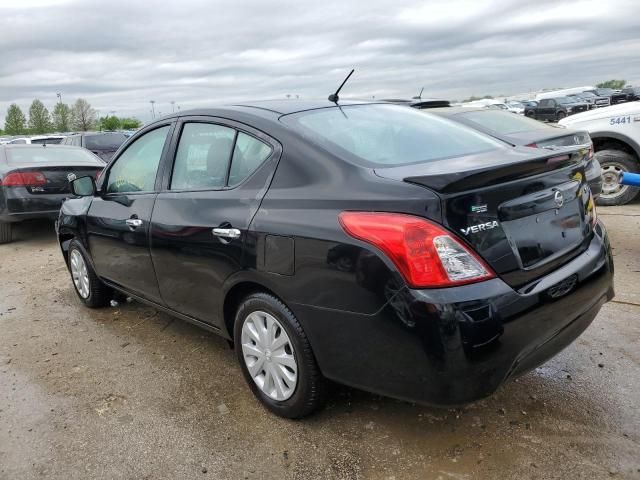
(525, 214)
(56, 177)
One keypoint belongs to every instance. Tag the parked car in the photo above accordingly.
(525, 132)
(381, 247)
(591, 99)
(614, 96)
(38, 140)
(103, 144)
(34, 179)
(555, 109)
(632, 93)
(515, 107)
(615, 132)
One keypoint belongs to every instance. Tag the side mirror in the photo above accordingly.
(83, 187)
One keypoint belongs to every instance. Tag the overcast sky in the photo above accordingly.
(119, 55)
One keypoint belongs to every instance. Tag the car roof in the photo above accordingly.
(262, 107)
(448, 111)
(46, 146)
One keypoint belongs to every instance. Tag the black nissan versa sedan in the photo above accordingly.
(34, 181)
(370, 244)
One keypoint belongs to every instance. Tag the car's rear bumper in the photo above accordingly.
(17, 204)
(456, 345)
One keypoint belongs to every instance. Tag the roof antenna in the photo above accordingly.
(419, 97)
(334, 96)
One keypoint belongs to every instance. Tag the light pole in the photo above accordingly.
(173, 104)
(59, 95)
(153, 109)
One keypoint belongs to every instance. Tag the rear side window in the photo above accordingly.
(248, 155)
(388, 135)
(135, 170)
(48, 141)
(213, 156)
(203, 156)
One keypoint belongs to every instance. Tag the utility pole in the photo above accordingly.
(153, 109)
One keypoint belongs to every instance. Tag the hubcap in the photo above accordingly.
(79, 273)
(269, 356)
(610, 186)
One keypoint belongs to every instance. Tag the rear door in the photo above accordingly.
(118, 219)
(546, 109)
(199, 224)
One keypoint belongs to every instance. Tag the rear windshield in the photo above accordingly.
(105, 141)
(502, 122)
(43, 155)
(376, 135)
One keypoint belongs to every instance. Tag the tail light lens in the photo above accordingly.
(24, 179)
(426, 254)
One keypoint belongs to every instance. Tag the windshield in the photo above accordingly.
(391, 135)
(587, 94)
(41, 154)
(566, 100)
(105, 141)
(604, 91)
(502, 122)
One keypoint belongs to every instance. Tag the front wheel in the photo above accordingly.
(614, 163)
(276, 357)
(92, 292)
(5, 232)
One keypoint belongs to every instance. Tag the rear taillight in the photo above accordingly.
(426, 254)
(98, 173)
(24, 179)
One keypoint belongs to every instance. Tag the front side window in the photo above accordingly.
(203, 156)
(135, 170)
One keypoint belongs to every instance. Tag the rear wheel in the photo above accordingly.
(276, 357)
(88, 286)
(560, 116)
(5, 232)
(614, 163)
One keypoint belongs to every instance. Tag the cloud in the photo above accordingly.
(119, 55)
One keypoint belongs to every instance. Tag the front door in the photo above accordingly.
(199, 222)
(118, 219)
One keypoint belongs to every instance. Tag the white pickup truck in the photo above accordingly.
(615, 132)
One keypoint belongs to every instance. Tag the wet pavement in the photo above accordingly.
(130, 393)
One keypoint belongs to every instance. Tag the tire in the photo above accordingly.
(614, 162)
(299, 397)
(560, 116)
(6, 230)
(90, 289)
(531, 114)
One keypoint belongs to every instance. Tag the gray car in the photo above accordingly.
(518, 130)
(34, 180)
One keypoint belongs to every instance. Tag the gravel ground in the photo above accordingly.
(130, 393)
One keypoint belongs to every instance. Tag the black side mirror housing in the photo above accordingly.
(83, 187)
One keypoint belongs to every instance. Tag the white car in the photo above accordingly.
(615, 132)
(48, 139)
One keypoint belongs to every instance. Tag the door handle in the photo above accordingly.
(133, 222)
(229, 233)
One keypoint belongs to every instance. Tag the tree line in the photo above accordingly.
(80, 116)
